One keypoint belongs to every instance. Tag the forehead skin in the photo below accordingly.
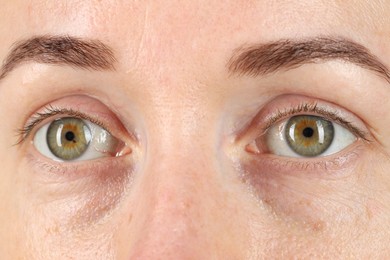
(172, 32)
(169, 45)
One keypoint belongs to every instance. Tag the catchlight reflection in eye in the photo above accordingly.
(74, 139)
(307, 136)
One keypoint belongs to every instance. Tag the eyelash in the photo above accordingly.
(49, 112)
(313, 108)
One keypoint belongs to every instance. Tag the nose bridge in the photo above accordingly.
(170, 217)
(177, 172)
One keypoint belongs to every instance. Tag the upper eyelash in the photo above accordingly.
(50, 111)
(313, 108)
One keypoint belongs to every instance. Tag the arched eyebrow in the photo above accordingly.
(262, 59)
(60, 50)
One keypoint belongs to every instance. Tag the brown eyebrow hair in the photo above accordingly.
(267, 58)
(87, 54)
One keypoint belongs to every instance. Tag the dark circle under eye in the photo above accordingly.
(309, 135)
(68, 138)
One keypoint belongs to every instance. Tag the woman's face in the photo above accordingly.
(194, 129)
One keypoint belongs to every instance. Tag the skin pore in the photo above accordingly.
(192, 91)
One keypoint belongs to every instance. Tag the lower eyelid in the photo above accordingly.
(333, 166)
(51, 171)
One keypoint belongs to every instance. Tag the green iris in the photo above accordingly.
(309, 135)
(68, 138)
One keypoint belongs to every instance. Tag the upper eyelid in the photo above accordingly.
(50, 112)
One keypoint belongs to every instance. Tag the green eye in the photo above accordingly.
(309, 136)
(68, 138)
(75, 139)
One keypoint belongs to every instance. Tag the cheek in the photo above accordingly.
(315, 216)
(69, 211)
(375, 180)
(309, 194)
(12, 237)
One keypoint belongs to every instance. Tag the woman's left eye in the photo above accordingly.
(75, 139)
(306, 136)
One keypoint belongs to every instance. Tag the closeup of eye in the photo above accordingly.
(306, 136)
(75, 139)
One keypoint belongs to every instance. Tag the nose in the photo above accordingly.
(177, 206)
(172, 213)
(182, 201)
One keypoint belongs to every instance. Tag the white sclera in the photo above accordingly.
(102, 143)
(278, 145)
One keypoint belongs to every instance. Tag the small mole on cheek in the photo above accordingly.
(318, 226)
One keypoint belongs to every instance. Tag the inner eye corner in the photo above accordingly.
(252, 148)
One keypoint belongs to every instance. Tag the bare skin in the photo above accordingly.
(191, 174)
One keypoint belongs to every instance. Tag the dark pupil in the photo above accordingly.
(308, 132)
(69, 136)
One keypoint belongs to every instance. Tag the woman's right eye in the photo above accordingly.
(75, 139)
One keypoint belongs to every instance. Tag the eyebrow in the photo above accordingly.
(59, 50)
(262, 59)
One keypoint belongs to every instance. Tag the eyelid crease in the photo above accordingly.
(313, 108)
(50, 111)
